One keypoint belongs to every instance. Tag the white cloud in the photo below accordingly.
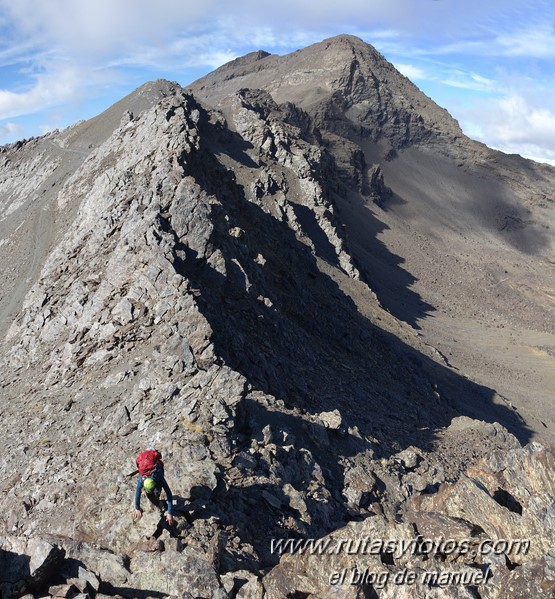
(49, 89)
(410, 71)
(87, 29)
(517, 122)
(514, 125)
(107, 28)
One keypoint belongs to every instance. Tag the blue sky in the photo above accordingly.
(491, 63)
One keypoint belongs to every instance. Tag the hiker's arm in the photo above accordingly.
(169, 495)
(138, 490)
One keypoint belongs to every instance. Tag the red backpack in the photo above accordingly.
(148, 460)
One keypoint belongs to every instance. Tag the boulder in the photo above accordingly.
(62, 590)
(31, 570)
(183, 574)
(112, 566)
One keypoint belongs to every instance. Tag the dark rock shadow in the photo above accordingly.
(513, 220)
(131, 593)
(322, 246)
(359, 193)
(482, 196)
(16, 578)
(14, 571)
(381, 269)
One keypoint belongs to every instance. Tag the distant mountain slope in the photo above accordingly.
(459, 232)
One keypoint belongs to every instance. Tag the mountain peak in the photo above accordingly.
(345, 40)
(248, 58)
(341, 79)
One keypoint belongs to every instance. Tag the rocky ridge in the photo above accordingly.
(195, 300)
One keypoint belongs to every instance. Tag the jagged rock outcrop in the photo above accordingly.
(488, 534)
(199, 292)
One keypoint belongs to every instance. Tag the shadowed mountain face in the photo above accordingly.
(285, 278)
(450, 235)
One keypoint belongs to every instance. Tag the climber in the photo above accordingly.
(151, 477)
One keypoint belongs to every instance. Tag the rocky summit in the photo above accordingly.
(329, 310)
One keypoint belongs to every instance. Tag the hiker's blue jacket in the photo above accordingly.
(158, 476)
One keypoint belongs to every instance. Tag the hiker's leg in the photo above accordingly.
(154, 498)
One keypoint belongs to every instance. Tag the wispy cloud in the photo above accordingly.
(49, 89)
(534, 42)
(470, 81)
(11, 53)
(520, 39)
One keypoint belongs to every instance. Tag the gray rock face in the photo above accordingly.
(198, 293)
(491, 531)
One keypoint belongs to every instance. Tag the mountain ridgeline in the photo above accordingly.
(286, 277)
